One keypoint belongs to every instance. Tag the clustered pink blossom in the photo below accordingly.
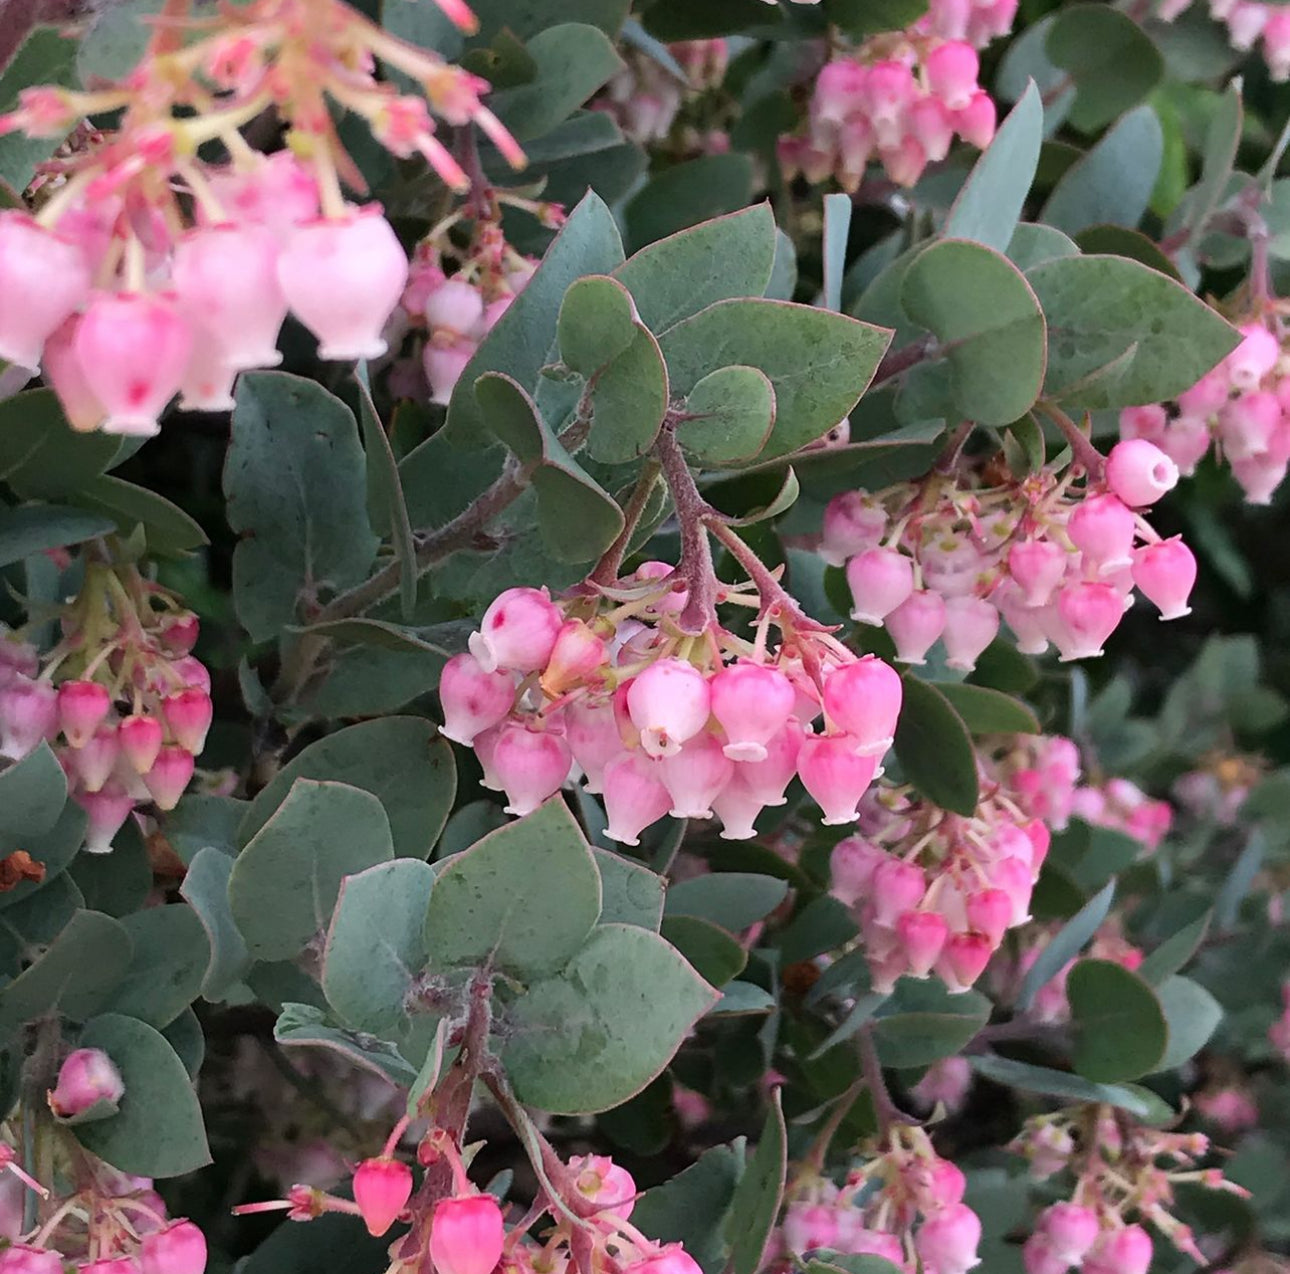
(947, 557)
(1125, 1176)
(125, 305)
(1241, 408)
(935, 893)
(1123, 806)
(645, 97)
(1216, 794)
(659, 723)
(121, 696)
(901, 98)
(1231, 1108)
(1248, 23)
(905, 1204)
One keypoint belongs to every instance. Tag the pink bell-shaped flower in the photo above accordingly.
(971, 624)
(1071, 1228)
(751, 702)
(207, 384)
(880, 580)
(1253, 358)
(473, 700)
(1102, 528)
(591, 731)
(21, 1259)
(669, 703)
(382, 1188)
(44, 278)
(737, 806)
(140, 738)
(226, 280)
(277, 191)
(635, 796)
(111, 1265)
(170, 774)
(87, 1077)
(1040, 1256)
(1088, 614)
(178, 1249)
(916, 624)
(835, 776)
(672, 1259)
(63, 373)
(342, 278)
(1125, 1251)
(1037, 567)
(1139, 472)
(530, 765)
(896, 887)
(1166, 574)
(466, 1235)
(28, 714)
(695, 775)
(518, 631)
(188, 714)
(852, 865)
(922, 936)
(947, 1241)
(107, 811)
(133, 349)
(578, 652)
(852, 523)
(951, 70)
(990, 911)
(603, 1182)
(863, 698)
(766, 780)
(963, 960)
(978, 120)
(95, 760)
(82, 708)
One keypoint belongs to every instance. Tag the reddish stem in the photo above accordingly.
(692, 511)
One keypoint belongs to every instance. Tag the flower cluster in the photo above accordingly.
(901, 98)
(1125, 1176)
(1216, 791)
(1247, 23)
(604, 682)
(127, 303)
(100, 1221)
(121, 694)
(458, 308)
(1242, 408)
(904, 1204)
(944, 558)
(645, 97)
(1123, 806)
(935, 892)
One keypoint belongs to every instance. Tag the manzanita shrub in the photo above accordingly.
(581, 680)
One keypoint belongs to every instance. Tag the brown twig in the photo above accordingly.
(610, 564)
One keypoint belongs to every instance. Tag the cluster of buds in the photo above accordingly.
(904, 1204)
(127, 301)
(1241, 407)
(946, 1084)
(1230, 1107)
(1123, 806)
(1247, 22)
(121, 696)
(935, 892)
(605, 683)
(901, 98)
(1216, 791)
(946, 557)
(646, 97)
(101, 1221)
(1042, 773)
(1125, 1176)
(1050, 1003)
(457, 310)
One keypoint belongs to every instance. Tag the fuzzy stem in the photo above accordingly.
(610, 564)
(895, 362)
(1085, 453)
(886, 1110)
(776, 600)
(692, 514)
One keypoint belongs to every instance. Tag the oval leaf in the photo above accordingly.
(935, 750)
(1120, 1026)
(730, 413)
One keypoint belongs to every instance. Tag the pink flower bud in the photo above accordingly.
(21, 1259)
(382, 1188)
(944, 1185)
(977, 121)
(1016, 879)
(178, 1249)
(672, 1259)
(82, 708)
(880, 580)
(1253, 358)
(669, 703)
(1027, 623)
(1259, 477)
(1126, 1251)
(188, 713)
(277, 191)
(1149, 422)
(989, 911)
(343, 278)
(737, 806)
(886, 94)
(107, 810)
(1089, 614)
(63, 373)
(852, 525)
(897, 887)
(170, 774)
(1139, 472)
(951, 70)
(971, 624)
(601, 1181)
(948, 1240)
(1206, 396)
(444, 364)
(964, 960)
(86, 1078)
(946, 1083)
(752, 703)
(1246, 425)
(766, 780)
(179, 632)
(95, 762)
(530, 765)
(808, 1226)
(44, 278)
(576, 655)
(922, 935)
(916, 624)
(1038, 567)
(852, 865)
(591, 731)
(863, 698)
(133, 349)
(518, 631)
(466, 1235)
(227, 284)
(672, 602)
(904, 161)
(140, 738)
(1166, 574)
(695, 776)
(455, 305)
(28, 714)
(1040, 1256)
(207, 382)
(1070, 1228)
(635, 796)
(192, 672)
(1102, 528)
(473, 700)
(837, 88)
(932, 125)
(835, 776)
